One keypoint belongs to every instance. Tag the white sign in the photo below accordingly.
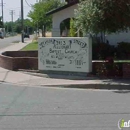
(65, 54)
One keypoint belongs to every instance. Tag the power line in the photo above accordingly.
(17, 8)
(12, 14)
(28, 3)
(19, 14)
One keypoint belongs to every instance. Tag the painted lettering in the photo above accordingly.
(50, 62)
(54, 51)
(71, 51)
(81, 43)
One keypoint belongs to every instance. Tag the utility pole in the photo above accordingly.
(2, 11)
(22, 24)
(12, 18)
(2, 18)
(19, 14)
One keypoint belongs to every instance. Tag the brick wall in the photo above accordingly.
(126, 70)
(21, 53)
(6, 62)
(25, 63)
(14, 60)
(107, 69)
(29, 60)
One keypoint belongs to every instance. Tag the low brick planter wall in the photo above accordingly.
(114, 70)
(6, 62)
(106, 69)
(126, 70)
(14, 60)
(21, 53)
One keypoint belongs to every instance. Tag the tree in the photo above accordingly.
(1, 23)
(16, 25)
(72, 32)
(8, 26)
(103, 16)
(38, 13)
(28, 26)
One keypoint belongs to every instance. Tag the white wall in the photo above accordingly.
(58, 17)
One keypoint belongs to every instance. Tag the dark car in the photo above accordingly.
(1, 35)
(26, 35)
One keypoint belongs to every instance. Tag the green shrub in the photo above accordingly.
(72, 32)
(102, 50)
(123, 50)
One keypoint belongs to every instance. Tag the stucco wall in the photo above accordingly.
(58, 17)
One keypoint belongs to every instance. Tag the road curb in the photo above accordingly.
(78, 86)
(56, 76)
(107, 86)
(93, 86)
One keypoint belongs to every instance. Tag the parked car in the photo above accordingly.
(26, 35)
(1, 35)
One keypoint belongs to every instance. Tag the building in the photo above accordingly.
(61, 14)
(66, 12)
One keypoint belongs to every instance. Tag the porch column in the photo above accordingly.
(56, 32)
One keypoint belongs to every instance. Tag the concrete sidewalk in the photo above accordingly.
(15, 46)
(21, 78)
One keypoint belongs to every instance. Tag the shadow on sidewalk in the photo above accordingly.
(122, 91)
(58, 76)
(119, 81)
(70, 77)
(4, 77)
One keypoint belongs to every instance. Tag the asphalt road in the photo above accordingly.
(35, 108)
(7, 41)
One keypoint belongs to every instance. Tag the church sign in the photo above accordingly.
(65, 54)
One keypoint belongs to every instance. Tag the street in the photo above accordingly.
(9, 40)
(42, 108)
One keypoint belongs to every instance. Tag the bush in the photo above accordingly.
(102, 50)
(123, 50)
(72, 32)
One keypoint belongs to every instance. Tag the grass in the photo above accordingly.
(121, 61)
(115, 61)
(31, 46)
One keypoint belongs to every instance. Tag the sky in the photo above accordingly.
(16, 6)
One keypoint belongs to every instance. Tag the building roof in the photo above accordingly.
(61, 8)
